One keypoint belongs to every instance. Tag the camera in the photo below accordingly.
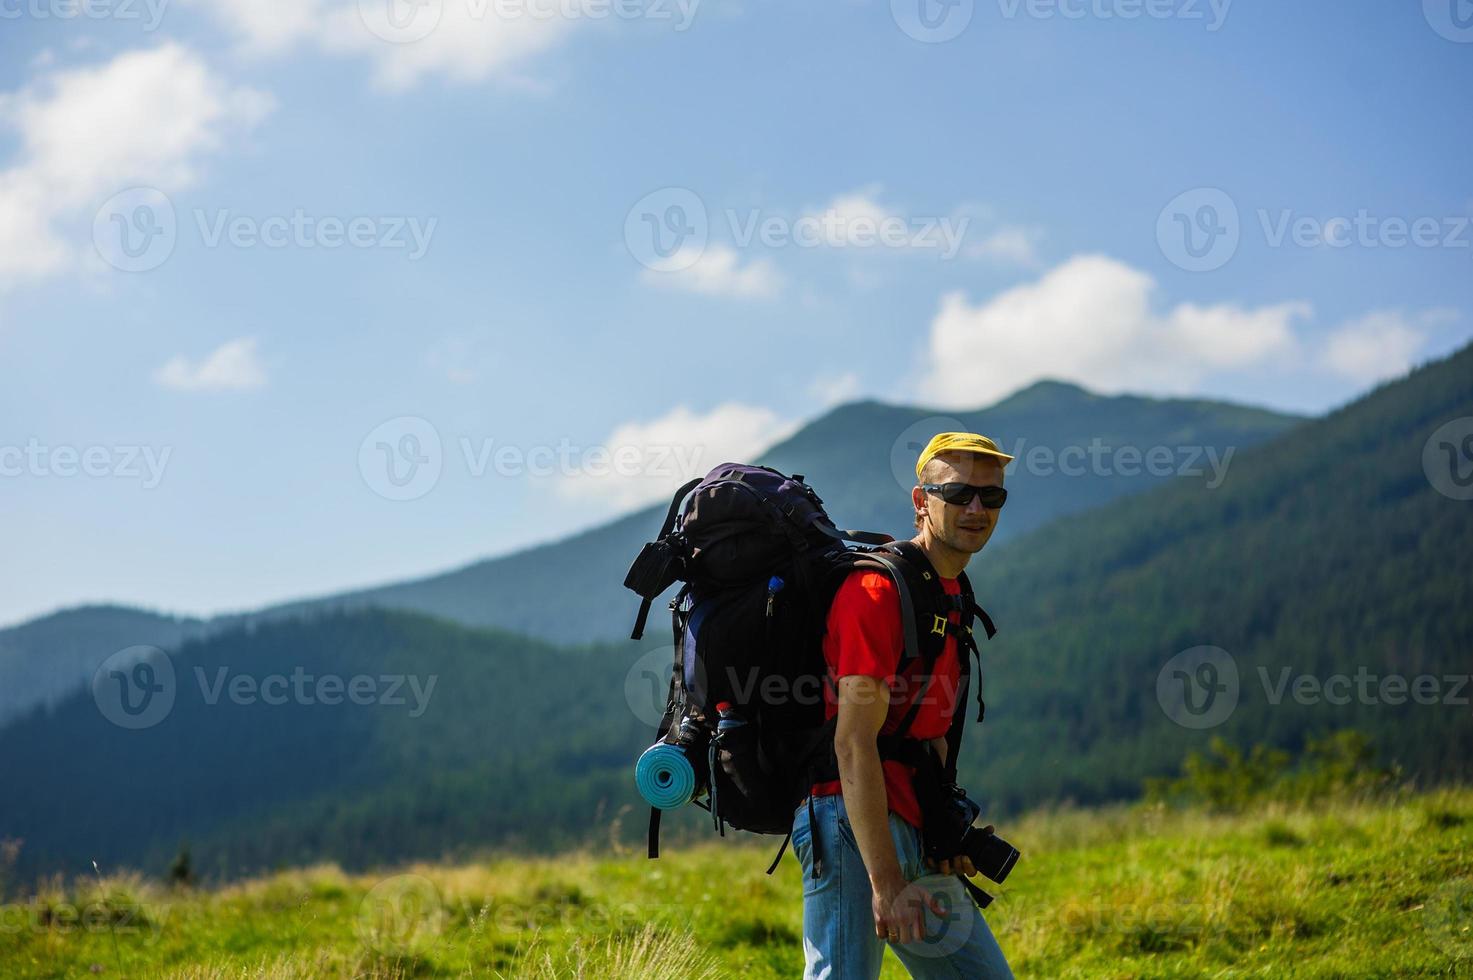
(949, 833)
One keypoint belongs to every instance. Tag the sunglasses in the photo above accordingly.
(961, 494)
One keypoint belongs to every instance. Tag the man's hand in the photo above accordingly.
(959, 865)
(899, 907)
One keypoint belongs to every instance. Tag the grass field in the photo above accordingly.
(1381, 889)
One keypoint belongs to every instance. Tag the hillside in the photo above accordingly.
(1325, 552)
(46, 658)
(1355, 889)
(456, 721)
(569, 590)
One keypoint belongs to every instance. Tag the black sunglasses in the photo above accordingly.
(961, 494)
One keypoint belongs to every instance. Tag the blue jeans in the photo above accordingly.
(839, 941)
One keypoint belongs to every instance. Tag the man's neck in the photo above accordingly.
(948, 562)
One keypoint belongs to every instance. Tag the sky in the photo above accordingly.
(301, 297)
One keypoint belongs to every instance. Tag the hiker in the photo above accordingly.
(872, 886)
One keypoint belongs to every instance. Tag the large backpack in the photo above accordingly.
(761, 562)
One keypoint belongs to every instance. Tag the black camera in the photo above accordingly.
(949, 833)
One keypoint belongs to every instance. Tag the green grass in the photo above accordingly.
(1350, 889)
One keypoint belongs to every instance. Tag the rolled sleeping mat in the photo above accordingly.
(665, 777)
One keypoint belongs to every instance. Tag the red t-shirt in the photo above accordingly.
(864, 637)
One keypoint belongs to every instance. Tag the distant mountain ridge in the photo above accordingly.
(854, 456)
(451, 720)
(1330, 553)
(1327, 553)
(858, 456)
(45, 658)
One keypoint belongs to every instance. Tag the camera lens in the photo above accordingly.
(990, 854)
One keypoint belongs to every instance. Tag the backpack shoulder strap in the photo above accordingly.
(924, 576)
(887, 563)
(969, 607)
(909, 578)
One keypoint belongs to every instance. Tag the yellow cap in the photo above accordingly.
(959, 442)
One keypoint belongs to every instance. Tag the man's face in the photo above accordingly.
(967, 528)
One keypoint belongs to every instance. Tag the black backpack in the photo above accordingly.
(761, 562)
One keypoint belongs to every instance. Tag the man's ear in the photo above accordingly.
(917, 503)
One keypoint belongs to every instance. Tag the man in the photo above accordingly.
(874, 887)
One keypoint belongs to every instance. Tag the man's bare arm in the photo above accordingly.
(863, 704)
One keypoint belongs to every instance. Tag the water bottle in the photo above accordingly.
(729, 729)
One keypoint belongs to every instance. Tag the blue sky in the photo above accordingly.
(1036, 175)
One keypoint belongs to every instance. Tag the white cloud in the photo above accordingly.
(267, 27)
(143, 118)
(233, 366)
(462, 40)
(848, 212)
(1228, 336)
(468, 44)
(718, 271)
(1092, 321)
(648, 460)
(1377, 346)
(29, 247)
(1011, 246)
(858, 220)
(835, 389)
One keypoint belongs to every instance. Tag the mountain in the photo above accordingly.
(45, 658)
(358, 736)
(1326, 553)
(859, 457)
